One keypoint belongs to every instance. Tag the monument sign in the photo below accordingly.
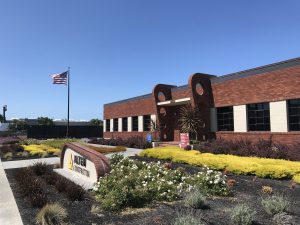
(84, 162)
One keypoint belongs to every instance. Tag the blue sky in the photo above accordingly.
(119, 49)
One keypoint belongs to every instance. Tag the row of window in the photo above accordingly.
(134, 124)
(258, 117)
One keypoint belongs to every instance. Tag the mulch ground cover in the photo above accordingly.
(246, 190)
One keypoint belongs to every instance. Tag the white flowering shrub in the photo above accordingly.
(210, 182)
(132, 183)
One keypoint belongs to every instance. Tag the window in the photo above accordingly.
(294, 114)
(258, 117)
(225, 118)
(147, 122)
(107, 125)
(135, 123)
(124, 124)
(116, 124)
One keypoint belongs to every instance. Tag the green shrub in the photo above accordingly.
(51, 214)
(61, 184)
(25, 154)
(115, 159)
(30, 141)
(58, 143)
(187, 218)
(50, 178)
(242, 215)
(140, 183)
(38, 199)
(8, 156)
(195, 199)
(211, 182)
(75, 192)
(284, 219)
(275, 204)
(40, 168)
(39, 153)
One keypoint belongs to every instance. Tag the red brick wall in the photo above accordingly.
(267, 87)
(124, 135)
(284, 138)
(131, 108)
(184, 93)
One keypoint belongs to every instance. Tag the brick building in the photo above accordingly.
(259, 103)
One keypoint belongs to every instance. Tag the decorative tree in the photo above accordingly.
(45, 121)
(18, 125)
(96, 122)
(154, 128)
(190, 120)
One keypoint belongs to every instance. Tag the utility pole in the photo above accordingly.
(4, 110)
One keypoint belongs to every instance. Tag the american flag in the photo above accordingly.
(60, 78)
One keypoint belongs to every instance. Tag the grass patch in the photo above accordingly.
(261, 167)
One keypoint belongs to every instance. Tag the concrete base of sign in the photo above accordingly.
(85, 183)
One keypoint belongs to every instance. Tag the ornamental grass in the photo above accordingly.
(261, 167)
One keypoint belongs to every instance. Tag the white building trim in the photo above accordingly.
(180, 101)
(129, 124)
(111, 125)
(278, 116)
(141, 123)
(104, 125)
(240, 118)
(120, 125)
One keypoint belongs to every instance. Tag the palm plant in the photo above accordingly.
(190, 119)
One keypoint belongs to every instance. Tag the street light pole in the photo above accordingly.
(4, 110)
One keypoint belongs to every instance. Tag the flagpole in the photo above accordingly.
(68, 102)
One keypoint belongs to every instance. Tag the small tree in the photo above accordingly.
(45, 121)
(1, 118)
(96, 122)
(190, 120)
(154, 128)
(18, 125)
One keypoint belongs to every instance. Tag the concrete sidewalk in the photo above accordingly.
(9, 212)
(128, 152)
(29, 162)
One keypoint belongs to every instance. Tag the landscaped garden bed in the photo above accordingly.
(132, 142)
(261, 167)
(243, 147)
(13, 148)
(144, 190)
(17, 149)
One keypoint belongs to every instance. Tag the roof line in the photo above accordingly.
(231, 76)
(129, 99)
(258, 70)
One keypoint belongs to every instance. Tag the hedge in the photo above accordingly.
(261, 167)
